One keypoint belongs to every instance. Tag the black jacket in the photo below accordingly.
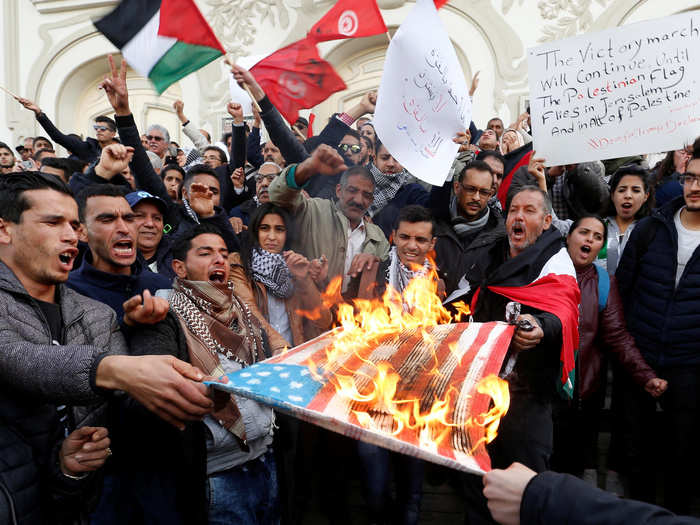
(86, 150)
(537, 369)
(663, 318)
(560, 498)
(455, 255)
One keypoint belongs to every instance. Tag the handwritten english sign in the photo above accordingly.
(423, 100)
(624, 91)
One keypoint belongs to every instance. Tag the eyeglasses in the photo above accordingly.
(268, 177)
(689, 180)
(97, 127)
(354, 148)
(471, 190)
(154, 137)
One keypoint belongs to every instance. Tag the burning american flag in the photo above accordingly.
(394, 377)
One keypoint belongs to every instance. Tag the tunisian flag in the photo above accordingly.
(296, 77)
(349, 19)
(554, 289)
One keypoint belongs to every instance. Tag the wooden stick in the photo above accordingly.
(9, 92)
(388, 36)
(245, 86)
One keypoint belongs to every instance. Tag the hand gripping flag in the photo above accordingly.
(452, 362)
(296, 77)
(164, 40)
(349, 19)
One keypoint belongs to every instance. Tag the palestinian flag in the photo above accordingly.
(512, 161)
(543, 277)
(164, 40)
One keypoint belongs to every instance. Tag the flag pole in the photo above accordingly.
(246, 87)
(388, 36)
(9, 92)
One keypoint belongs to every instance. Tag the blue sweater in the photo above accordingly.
(113, 289)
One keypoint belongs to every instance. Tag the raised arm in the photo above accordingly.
(198, 139)
(78, 147)
(292, 150)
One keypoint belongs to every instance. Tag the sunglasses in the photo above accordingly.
(154, 137)
(97, 127)
(354, 148)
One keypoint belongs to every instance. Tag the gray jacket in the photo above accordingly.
(35, 376)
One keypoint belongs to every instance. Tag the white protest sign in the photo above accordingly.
(620, 92)
(423, 100)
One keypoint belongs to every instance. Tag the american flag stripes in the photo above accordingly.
(430, 361)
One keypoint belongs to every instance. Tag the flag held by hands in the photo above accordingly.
(164, 40)
(349, 19)
(296, 77)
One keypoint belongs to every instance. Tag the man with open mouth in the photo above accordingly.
(227, 456)
(61, 352)
(110, 271)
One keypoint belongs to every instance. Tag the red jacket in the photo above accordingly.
(604, 331)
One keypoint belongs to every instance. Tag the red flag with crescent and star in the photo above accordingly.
(349, 19)
(296, 77)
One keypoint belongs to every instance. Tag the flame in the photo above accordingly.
(372, 389)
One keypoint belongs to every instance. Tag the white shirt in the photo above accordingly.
(279, 320)
(355, 239)
(688, 241)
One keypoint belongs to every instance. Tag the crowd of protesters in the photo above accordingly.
(135, 268)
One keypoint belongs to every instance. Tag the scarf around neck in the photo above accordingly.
(386, 187)
(461, 225)
(271, 270)
(398, 275)
(216, 322)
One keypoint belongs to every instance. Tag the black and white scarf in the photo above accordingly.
(386, 187)
(461, 225)
(398, 275)
(271, 269)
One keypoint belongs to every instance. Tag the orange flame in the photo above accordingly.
(374, 385)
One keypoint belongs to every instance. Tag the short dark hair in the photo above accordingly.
(38, 154)
(535, 189)
(5, 146)
(577, 222)
(66, 165)
(40, 137)
(356, 170)
(485, 154)
(415, 213)
(352, 133)
(637, 171)
(494, 118)
(219, 151)
(106, 120)
(98, 190)
(13, 202)
(198, 169)
(303, 121)
(183, 242)
(478, 165)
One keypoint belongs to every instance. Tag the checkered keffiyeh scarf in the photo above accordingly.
(271, 269)
(398, 275)
(386, 187)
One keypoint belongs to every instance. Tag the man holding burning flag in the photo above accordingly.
(530, 267)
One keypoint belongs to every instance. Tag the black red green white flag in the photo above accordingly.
(164, 40)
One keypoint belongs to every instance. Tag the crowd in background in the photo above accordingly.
(134, 268)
